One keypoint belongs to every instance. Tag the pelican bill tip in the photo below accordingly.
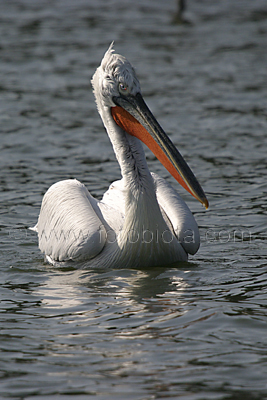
(206, 203)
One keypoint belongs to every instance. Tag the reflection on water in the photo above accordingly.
(163, 328)
(64, 290)
(195, 330)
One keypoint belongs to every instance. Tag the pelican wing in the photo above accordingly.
(68, 226)
(182, 221)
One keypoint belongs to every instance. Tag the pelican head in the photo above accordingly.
(118, 93)
(114, 77)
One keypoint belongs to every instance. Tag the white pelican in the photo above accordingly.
(141, 220)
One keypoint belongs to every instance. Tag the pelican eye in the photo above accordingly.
(123, 88)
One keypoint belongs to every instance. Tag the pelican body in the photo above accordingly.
(141, 219)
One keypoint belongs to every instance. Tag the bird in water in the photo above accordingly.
(141, 219)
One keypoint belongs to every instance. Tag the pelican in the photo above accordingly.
(141, 219)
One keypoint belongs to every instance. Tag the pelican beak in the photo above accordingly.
(133, 116)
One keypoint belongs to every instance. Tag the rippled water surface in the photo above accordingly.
(193, 330)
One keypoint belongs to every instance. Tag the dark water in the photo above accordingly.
(196, 330)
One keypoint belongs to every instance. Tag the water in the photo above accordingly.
(195, 330)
